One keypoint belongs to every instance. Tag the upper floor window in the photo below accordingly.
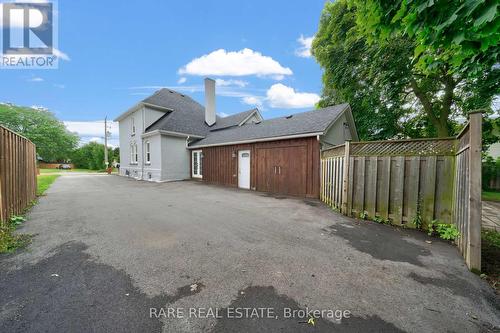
(148, 152)
(132, 124)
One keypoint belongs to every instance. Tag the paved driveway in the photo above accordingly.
(108, 249)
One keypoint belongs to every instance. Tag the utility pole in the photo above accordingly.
(106, 142)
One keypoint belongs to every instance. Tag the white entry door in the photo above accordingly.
(244, 169)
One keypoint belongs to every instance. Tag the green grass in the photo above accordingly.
(49, 171)
(490, 253)
(44, 182)
(9, 240)
(491, 196)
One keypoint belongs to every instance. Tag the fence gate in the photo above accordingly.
(410, 181)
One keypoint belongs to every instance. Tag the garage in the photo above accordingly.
(288, 167)
(278, 156)
(282, 170)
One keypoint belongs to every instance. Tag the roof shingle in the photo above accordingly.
(187, 117)
(300, 123)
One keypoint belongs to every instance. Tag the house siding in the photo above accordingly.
(143, 117)
(175, 158)
(337, 134)
(220, 164)
(153, 171)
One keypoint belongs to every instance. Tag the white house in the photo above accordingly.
(169, 136)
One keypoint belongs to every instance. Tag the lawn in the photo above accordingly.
(9, 239)
(490, 252)
(491, 196)
(49, 171)
(44, 182)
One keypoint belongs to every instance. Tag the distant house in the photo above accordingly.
(168, 136)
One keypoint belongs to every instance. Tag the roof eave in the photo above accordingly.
(138, 106)
(254, 111)
(275, 138)
(171, 133)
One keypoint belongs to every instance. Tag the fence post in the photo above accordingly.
(345, 180)
(473, 258)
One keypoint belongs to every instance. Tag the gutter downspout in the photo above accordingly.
(142, 144)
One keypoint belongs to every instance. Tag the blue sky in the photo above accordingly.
(115, 53)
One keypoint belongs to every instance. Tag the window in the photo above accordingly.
(196, 160)
(148, 152)
(133, 153)
(132, 124)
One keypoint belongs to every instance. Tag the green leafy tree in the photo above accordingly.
(53, 141)
(461, 34)
(382, 76)
(354, 72)
(91, 156)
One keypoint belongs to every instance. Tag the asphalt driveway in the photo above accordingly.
(109, 251)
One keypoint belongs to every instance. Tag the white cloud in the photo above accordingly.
(35, 79)
(60, 54)
(60, 86)
(224, 90)
(222, 114)
(181, 80)
(92, 129)
(281, 96)
(235, 63)
(253, 100)
(112, 143)
(225, 83)
(304, 51)
(39, 107)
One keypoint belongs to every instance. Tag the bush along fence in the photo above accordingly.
(17, 173)
(412, 183)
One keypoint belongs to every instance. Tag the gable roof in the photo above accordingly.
(309, 123)
(187, 115)
(233, 120)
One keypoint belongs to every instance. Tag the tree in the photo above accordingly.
(91, 156)
(353, 72)
(463, 35)
(53, 141)
(379, 75)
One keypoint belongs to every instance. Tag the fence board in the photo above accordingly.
(429, 190)
(17, 173)
(384, 188)
(400, 179)
(397, 188)
(350, 187)
(413, 189)
(371, 190)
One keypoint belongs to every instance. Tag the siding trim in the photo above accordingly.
(177, 134)
(276, 138)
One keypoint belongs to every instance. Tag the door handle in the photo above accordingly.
(279, 170)
(274, 167)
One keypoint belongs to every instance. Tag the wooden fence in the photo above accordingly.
(17, 173)
(405, 181)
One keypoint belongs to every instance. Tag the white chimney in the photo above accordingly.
(209, 101)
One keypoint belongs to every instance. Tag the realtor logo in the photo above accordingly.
(28, 35)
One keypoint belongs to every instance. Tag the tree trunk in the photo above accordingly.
(440, 122)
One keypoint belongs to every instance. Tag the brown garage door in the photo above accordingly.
(282, 170)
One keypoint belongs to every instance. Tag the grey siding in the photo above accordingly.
(152, 171)
(337, 134)
(143, 117)
(175, 158)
